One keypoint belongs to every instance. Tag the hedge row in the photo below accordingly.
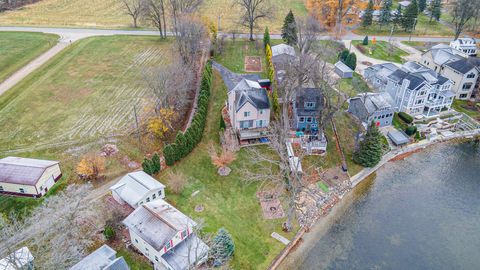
(186, 142)
(405, 117)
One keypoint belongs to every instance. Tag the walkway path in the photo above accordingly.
(362, 58)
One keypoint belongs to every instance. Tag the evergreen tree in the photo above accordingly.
(367, 18)
(351, 61)
(369, 153)
(169, 154)
(422, 5)
(435, 10)
(289, 29)
(342, 56)
(223, 247)
(181, 142)
(266, 38)
(410, 16)
(156, 163)
(147, 166)
(223, 126)
(365, 41)
(275, 104)
(397, 18)
(385, 12)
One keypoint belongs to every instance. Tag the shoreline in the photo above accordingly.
(359, 181)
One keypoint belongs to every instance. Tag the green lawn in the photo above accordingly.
(135, 261)
(19, 48)
(381, 50)
(424, 28)
(228, 202)
(421, 45)
(234, 54)
(353, 86)
(323, 186)
(398, 122)
(472, 110)
(335, 46)
(86, 92)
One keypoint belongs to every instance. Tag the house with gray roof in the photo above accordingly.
(28, 177)
(104, 258)
(166, 236)
(343, 70)
(418, 90)
(137, 188)
(377, 75)
(283, 56)
(249, 109)
(373, 107)
(465, 45)
(306, 109)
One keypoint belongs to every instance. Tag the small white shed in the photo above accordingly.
(343, 70)
(137, 188)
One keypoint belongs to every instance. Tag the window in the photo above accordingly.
(246, 124)
(246, 114)
(309, 105)
(309, 119)
(22, 190)
(301, 119)
(467, 86)
(148, 199)
(160, 193)
(184, 234)
(156, 258)
(154, 196)
(1, 188)
(136, 240)
(259, 123)
(463, 96)
(471, 75)
(260, 111)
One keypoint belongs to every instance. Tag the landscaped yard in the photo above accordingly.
(335, 46)
(381, 50)
(228, 202)
(353, 86)
(19, 48)
(134, 261)
(111, 13)
(470, 109)
(86, 92)
(424, 28)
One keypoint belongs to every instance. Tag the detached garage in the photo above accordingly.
(343, 70)
(28, 177)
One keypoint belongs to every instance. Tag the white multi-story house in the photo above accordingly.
(137, 188)
(166, 236)
(377, 75)
(417, 90)
(372, 107)
(463, 71)
(249, 109)
(465, 45)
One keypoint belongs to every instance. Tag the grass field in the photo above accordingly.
(463, 107)
(421, 45)
(86, 92)
(110, 14)
(353, 86)
(228, 202)
(19, 48)
(424, 28)
(382, 50)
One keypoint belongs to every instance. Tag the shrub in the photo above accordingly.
(90, 167)
(266, 38)
(223, 126)
(405, 117)
(370, 151)
(223, 247)
(152, 166)
(365, 41)
(109, 233)
(169, 154)
(411, 130)
(176, 182)
(351, 61)
(342, 56)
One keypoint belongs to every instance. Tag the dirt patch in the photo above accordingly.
(253, 64)
(405, 155)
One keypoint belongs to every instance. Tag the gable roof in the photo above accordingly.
(257, 97)
(303, 95)
(443, 53)
(104, 258)
(463, 65)
(245, 84)
(23, 171)
(192, 247)
(344, 68)
(134, 186)
(283, 49)
(157, 222)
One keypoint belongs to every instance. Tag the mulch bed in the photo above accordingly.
(253, 64)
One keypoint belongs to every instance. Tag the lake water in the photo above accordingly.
(419, 213)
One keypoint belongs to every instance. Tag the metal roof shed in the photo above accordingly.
(398, 137)
(343, 70)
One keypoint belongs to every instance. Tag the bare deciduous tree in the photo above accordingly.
(134, 9)
(189, 38)
(463, 11)
(179, 8)
(59, 232)
(254, 10)
(155, 13)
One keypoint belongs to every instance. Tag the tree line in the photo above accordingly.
(12, 4)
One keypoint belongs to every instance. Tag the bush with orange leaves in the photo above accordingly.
(90, 167)
(223, 159)
(162, 123)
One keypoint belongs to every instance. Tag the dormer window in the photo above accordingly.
(471, 75)
(309, 105)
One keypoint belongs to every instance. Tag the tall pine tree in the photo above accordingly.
(367, 18)
(385, 12)
(266, 38)
(397, 18)
(369, 153)
(422, 5)
(289, 29)
(222, 247)
(410, 16)
(435, 10)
